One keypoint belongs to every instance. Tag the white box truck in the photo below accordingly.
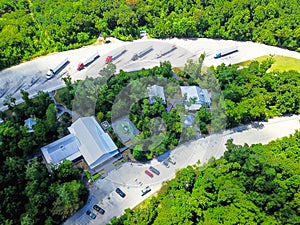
(53, 70)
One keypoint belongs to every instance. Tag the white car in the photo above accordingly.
(145, 190)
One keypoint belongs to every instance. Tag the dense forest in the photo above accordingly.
(29, 193)
(259, 184)
(37, 27)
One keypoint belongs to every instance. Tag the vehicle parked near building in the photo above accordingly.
(148, 173)
(154, 170)
(91, 214)
(99, 209)
(170, 160)
(145, 190)
(120, 192)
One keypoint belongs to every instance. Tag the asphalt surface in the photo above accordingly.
(31, 76)
(103, 192)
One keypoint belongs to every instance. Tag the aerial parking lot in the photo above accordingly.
(31, 76)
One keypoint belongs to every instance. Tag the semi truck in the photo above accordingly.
(166, 51)
(225, 52)
(53, 70)
(89, 60)
(141, 53)
(110, 58)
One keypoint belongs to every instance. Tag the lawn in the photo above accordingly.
(282, 63)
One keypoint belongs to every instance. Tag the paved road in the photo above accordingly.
(30, 76)
(186, 154)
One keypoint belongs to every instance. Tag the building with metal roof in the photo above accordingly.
(87, 140)
(29, 123)
(195, 97)
(156, 91)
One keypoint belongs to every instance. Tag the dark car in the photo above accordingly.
(91, 214)
(145, 190)
(99, 209)
(171, 161)
(148, 173)
(121, 193)
(166, 163)
(153, 170)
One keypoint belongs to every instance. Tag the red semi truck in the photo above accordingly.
(110, 58)
(89, 60)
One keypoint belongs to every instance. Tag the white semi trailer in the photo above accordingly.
(53, 70)
(89, 60)
(142, 53)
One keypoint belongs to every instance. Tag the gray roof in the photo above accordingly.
(29, 123)
(64, 148)
(201, 96)
(156, 91)
(95, 145)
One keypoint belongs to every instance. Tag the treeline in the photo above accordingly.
(254, 94)
(29, 29)
(248, 185)
(29, 193)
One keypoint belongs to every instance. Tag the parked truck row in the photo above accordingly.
(63, 62)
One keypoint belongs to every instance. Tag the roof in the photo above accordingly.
(156, 91)
(64, 148)
(201, 96)
(95, 145)
(29, 123)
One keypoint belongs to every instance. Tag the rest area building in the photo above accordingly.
(87, 141)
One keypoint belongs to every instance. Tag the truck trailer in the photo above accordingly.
(89, 60)
(225, 52)
(53, 70)
(142, 53)
(166, 51)
(110, 58)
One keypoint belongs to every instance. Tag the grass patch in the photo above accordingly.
(282, 63)
(96, 176)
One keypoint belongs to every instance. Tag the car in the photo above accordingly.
(166, 163)
(153, 170)
(91, 214)
(120, 192)
(148, 173)
(171, 161)
(99, 209)
(145, 190)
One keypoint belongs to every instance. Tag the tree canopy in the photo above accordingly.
(37, 27)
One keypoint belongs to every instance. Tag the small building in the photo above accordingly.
(86, 140)
(195, 97)
(29, 123)
(156, 91)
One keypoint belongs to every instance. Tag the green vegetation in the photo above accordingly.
(253, 94)
(281, 63)
(37, 27)
(248, 185)
(29, 193)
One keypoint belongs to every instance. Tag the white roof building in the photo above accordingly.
(30, 123)
(197, 95)
(156, 91)
(87, 139)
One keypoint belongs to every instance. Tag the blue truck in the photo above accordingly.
(225, 52)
